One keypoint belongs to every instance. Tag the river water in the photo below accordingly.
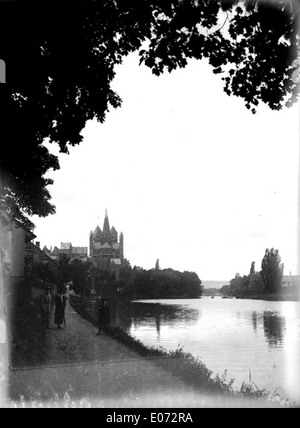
(254, 340)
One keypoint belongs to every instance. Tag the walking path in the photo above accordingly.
(86, 370)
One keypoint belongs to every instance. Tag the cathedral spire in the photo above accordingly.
(106, 228)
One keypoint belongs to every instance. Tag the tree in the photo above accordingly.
(272, 270)
(256, 285)
(79, 271)
(252, 269)
(64, 269)
(42, 273)
(235, 285)
(238, 286)
(157, 266)
(60, 59)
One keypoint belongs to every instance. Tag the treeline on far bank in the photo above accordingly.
(265, 283)
(159, 283)
(134, 283)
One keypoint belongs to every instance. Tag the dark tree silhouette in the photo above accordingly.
(60, 58)
(272, 270)
(252, 269)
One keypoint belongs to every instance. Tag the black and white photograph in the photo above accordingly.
(149, 206)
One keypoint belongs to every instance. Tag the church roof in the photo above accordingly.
(97, 232)
(114, 232)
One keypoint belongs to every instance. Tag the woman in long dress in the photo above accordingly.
(60, 304)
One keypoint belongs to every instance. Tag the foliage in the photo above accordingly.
(75, 271)
(265, 282)
(255, 54)
(272, 270)
(43, 273)
(60, 59)
(104, 282)
(246, 286)
(79, 274)
(165, 283)
(256, 285)
(64, 269)
(251, 390)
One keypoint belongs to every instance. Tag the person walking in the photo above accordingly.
(46, 304)
(60, 304)
(103, 317)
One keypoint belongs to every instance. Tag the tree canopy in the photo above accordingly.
(267, 281)
(272, 270)
(60, 58)
(159, 284)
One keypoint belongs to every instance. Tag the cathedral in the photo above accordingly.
(106, 251)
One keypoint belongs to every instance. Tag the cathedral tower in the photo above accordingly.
(106, 251)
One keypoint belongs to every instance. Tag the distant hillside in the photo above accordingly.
(214, 284)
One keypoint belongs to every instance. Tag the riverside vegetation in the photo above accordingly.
(133, 283)
(265, 284)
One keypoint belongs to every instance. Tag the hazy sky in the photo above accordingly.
(188, 174)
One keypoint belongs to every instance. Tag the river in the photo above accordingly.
(253, 340)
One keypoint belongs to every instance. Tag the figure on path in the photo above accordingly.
(60, 304)
(104, 317)
(46, 303)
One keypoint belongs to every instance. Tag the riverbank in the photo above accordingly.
(77, 368)
(275, 297)
(269, 297)
(190, 369)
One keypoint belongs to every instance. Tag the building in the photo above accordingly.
(14, 242)
(54, 254)
(34, 255)
(79, 253)
(106, 250)
(291, 281)
(66, 248)
(72, 253)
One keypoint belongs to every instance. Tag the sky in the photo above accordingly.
(187, 173)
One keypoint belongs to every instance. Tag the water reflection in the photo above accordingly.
(153, 315)
(233, 335)
(254, 321)
(143, 313)
(125, 314)
(274, 328)
(157, 324)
